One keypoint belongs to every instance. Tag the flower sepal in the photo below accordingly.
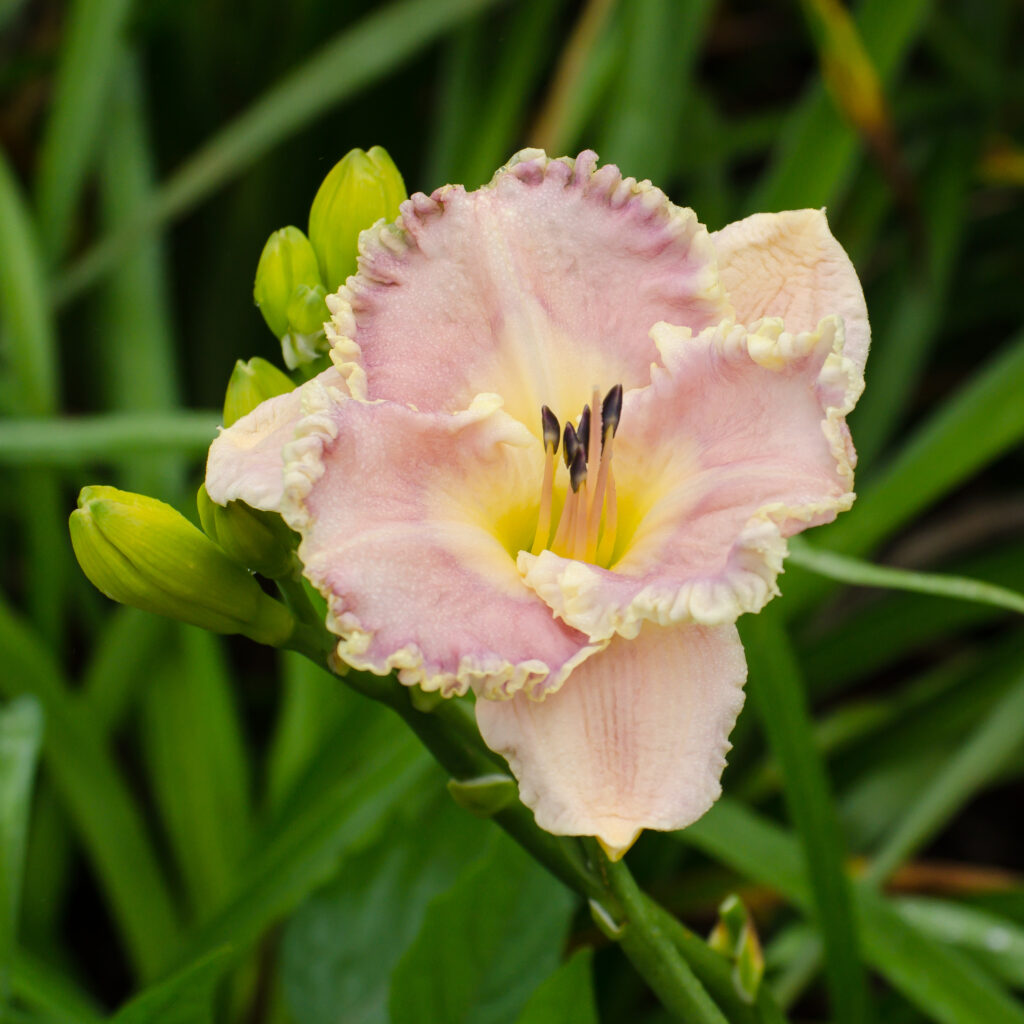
(142, 552)
(484, 795)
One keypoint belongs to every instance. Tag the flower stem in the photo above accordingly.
(651, 951)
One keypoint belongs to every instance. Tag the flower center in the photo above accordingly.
(588, 520)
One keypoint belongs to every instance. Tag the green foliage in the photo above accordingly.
(483, 943)
(566, 996)
(341, 946)
(215, 833)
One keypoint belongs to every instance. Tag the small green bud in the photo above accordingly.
(307, 309)
(257, 540)
(735, 937)
(143, 553)
(251, 384)
(287, 261)
(360, 189)
(485, 795)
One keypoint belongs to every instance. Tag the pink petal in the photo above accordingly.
(537, 287)
(789, 265)
(635, 738)
(409, 525)
(245, 461)
(735, 446)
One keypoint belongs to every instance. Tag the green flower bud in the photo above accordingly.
(305, 341)
(307, 309)
(257, 540)
(736, 938)
(360, 190)
(251, 384)
(143, 553)
(287, 261)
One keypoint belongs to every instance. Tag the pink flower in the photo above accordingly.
(589, 605)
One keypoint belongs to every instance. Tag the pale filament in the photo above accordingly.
(590, 498)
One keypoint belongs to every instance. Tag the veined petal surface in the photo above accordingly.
(538, 286)
(789, 265)
(409, 525)
(636, 737)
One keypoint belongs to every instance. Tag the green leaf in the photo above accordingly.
(777, 691)
(312, 704)
(76, 441)
(349, 62)
(184, 998)
(194, 750)
(661, 40)
(135, 340)
(865, 574)
(996, 942)
(56, 997)
(566, 996)
(340, 947)
(29, 334)
(817, 150)
(21, 733)
(944, 985)
(112, 830)
(85, 73)
(368, 767)
(962, 775)
(483, 943)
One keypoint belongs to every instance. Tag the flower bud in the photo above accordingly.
(287, 261)
(305, 341)
(251, 384)
(734, 936)
(307, 309)
(143, 553)
(360, 189)
(257, 540)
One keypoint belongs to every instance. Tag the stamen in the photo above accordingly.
(583, 431)
(549, 426)
(552, 431)
(567, 523)
(590, 502)
(570, 443)
(611, 522)
(594, 433)
(611, 411)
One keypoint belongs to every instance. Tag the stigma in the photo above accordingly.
(588, 520)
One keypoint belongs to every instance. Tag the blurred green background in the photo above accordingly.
(208, 812)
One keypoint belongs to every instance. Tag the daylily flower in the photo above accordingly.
(565, 436)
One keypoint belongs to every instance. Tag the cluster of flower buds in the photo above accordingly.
(296, 271)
